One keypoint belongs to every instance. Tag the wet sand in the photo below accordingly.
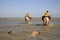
(23, 32)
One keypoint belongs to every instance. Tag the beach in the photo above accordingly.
(22, 31)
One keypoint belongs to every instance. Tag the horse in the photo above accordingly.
(27, 19)
(45, 20)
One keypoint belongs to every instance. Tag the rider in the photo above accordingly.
(47, 15)
(28, 15)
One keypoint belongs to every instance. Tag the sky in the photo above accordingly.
(37, 8)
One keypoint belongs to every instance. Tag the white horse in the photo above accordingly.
(46, 21)
(27, 19)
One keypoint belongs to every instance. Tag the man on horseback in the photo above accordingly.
(46, 18)
(46, 15)
(28, 17)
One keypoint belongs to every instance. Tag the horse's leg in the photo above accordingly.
(28, 21)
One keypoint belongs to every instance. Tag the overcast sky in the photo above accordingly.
(19, 8)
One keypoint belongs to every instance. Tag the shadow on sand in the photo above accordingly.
(39, 24)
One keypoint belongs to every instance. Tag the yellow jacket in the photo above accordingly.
(46, 14)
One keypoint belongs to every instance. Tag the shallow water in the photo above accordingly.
(16, 22)
(23, 31)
